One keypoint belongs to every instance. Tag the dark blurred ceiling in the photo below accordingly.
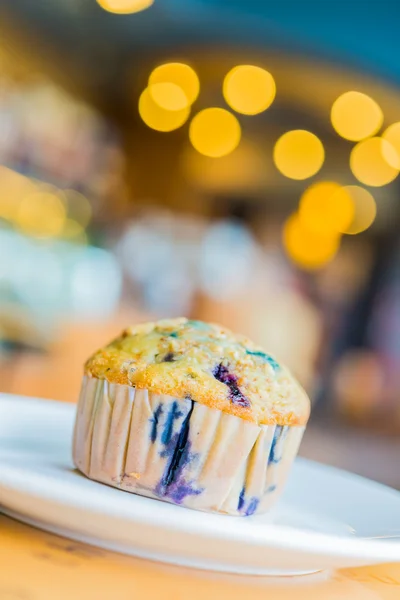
(97, 47)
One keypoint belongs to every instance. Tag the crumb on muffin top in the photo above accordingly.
(207, 363)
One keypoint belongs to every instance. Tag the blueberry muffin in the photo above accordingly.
(190, 413)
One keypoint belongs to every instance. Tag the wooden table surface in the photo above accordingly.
(35, 565)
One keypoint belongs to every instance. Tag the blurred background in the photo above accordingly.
(230, 161)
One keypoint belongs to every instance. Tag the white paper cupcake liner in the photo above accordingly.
(180, 451)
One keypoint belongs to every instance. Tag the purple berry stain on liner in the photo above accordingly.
(173, 414)
(169, 357)
(279, 437)
(154, 421)
(173, 484)
(252, 507)
(222, 374)
(241, 499)
(254, 501)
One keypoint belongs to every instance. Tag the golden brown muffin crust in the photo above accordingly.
(209, 364)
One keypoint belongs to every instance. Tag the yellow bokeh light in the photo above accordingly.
(168, 96)
(125, 7)
(372, 162)
(158, 118)
(249, 89)
(356, 116)
(392, 135)
(41, 214)
(78, 206)
(74, 232)
(13, 189)
(299, 154)
(364, 209)
(179, 74)
(214, 132)
(308, 249)
(326, 208)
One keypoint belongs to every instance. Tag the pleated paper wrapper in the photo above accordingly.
(179, 450)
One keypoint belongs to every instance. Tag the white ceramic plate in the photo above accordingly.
(326, 518)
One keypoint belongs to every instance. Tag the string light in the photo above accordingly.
(372, 160)
(298, 154)
(41, 214)
(326, 208)
(214, 132)
(364, 206)
(74, 232)
(158, 118)
(356, 116)
(179, 74)
(39, 208)
(78, 206)
(124, 7)
(14, 187)
(248, 89)
(308, 249)
(168, 96)
(392, 135)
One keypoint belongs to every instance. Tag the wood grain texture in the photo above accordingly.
(35, 565)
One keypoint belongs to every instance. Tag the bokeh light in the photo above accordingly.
(41, 214)
(214, 132)
(78, 206)
(392, 135)
(96, 282)
(372, 162)
(181, 75)
(158, 118)
(326, 208)
(125, 7)
(226, 243)
(168, 96)
(74, 232)
(38, 277)
(356, 116)
(306, 248)
(13, 189)
(364, 207)
(299, 154)
(249, 89)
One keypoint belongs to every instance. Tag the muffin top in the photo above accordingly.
(207, 363)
